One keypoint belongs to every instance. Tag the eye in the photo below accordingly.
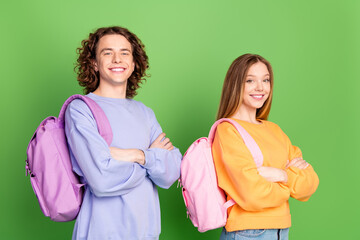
(267, 80)
(249, 80)
(107, 53)
(125, 53)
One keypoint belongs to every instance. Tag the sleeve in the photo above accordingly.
(238, 175)
(162, 166)
(302, 183)
(104, 175)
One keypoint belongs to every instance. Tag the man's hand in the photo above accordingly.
(128, 155)
(164, 144)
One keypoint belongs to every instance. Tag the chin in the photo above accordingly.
(257, 106)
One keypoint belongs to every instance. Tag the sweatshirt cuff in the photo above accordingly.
(149, 159)
(292, 173)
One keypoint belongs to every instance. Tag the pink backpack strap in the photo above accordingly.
(248, 140)
(102, 122)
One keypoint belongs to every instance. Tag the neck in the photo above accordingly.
(246, 114)
(105, 90)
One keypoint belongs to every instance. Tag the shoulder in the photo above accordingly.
(143, 108)
(276, 130)
(272, 125)
(78, 111)
(225, 127)
(77, 105)
(140, 105)
(226, 130)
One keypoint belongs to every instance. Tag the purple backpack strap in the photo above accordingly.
(102, 122)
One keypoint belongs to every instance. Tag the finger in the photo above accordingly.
(160, 137)
(297, 164)
(168, 145)
(287, 164)
(300, 163)
(165, 141)
(294, 162)
(304, 165)
(296, 159)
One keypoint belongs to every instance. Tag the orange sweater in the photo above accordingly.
(260, 204)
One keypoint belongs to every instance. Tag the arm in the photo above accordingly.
(162, 160)
(104, 175)
(128, 155)
(238, 174)
(138, 156)
(272, 174)
(302, 179)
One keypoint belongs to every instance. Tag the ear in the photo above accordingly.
(94, 63)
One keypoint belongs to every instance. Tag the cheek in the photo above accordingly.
(268, 88)
(99, 64)
(247, 89)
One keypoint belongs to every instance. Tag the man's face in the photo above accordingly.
(114, 60)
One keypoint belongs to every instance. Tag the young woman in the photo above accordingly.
(261, 194)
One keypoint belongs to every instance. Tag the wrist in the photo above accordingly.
(285, 176)
(140, 157)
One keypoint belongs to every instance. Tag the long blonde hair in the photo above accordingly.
(231, 96)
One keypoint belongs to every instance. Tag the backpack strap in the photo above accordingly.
(102, 121)
(248, 140)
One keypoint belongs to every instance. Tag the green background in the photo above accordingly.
(312, 45)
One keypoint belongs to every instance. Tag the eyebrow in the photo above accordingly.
(249, 75)
(111, 49)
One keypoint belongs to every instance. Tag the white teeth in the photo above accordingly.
(118, 69)
(257, 96)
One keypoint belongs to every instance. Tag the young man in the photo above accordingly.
(121, 199)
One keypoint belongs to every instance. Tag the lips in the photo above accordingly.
(257, 96)
(117, 69)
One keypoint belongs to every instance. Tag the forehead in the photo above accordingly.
(114, 41)
(258, 68)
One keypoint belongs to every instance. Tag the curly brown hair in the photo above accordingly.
(88, 77)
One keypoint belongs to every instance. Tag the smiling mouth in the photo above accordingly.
(257, 96)
(117, 69)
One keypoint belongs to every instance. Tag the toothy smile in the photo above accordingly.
(257, 96)
(117, 69)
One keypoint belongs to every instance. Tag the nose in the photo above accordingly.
(259, 85)
(117, 58)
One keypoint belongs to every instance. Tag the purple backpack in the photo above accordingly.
(56, 186)
(205, 202)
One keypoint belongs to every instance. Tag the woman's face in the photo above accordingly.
(256, 86)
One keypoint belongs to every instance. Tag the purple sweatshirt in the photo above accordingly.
(121, 199)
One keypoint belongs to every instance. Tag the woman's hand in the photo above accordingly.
(297, 162)
(164, 144)
(272, 174)
(128, 155)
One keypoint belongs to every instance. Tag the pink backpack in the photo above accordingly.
(205, 202)
(56, 186)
